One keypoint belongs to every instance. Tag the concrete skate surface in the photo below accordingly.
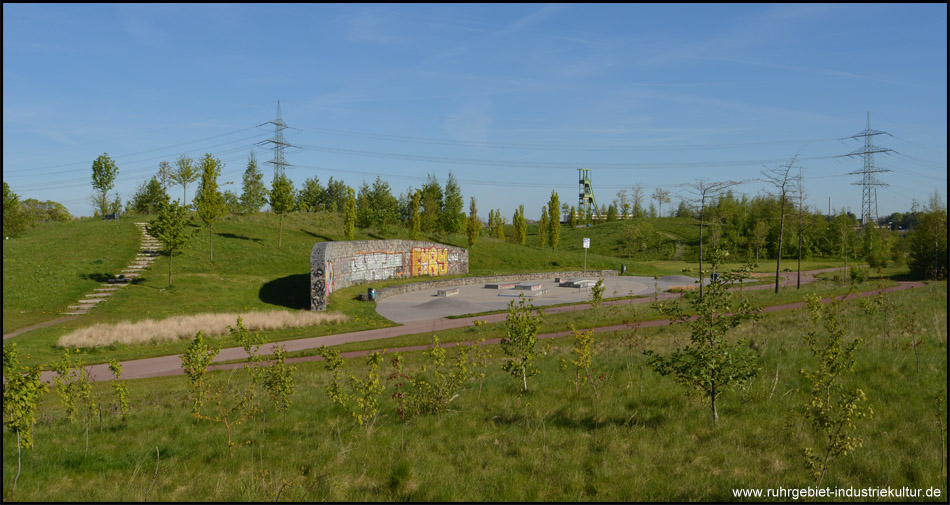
(426, 304)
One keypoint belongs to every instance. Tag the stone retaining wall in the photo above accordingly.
(468, 281)
(336, 265)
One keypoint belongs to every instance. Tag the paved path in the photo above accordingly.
(171, 365)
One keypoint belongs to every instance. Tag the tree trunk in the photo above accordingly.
(714, 411)
(17, 462)
(170, 253)
(210, 245)
(781, 235)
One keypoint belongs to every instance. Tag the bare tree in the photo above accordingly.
(636, 197)
(800, 193)
(623, 203)
(779, 178)
(700, 192)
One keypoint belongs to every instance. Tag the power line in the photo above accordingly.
(869, 182)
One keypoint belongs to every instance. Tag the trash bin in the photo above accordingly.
(371, 292)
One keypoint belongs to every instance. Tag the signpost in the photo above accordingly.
(586, 247)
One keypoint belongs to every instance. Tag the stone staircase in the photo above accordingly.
(149, 249)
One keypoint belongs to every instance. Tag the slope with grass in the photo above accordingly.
(642, 441)
(56, 263)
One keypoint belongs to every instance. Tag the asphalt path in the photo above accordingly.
(171, 365)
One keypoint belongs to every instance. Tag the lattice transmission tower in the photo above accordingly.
(868, 182)
(279, 143)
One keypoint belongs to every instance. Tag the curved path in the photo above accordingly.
(171, 365)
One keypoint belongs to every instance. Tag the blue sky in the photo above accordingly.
(512, 99)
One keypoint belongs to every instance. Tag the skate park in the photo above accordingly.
(460, 300)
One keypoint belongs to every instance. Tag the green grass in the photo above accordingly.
(251, 273)
(647, 442)
(54, 264)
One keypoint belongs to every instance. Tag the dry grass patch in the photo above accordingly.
(185, 327)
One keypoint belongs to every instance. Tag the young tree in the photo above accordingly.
(499, 225)
(612, 213)
(800, 192)
(22, 388)
(759, 234)
(573, 218)
(521, 337)
(415, 232)
(254, 193)
(310, 196)
(928, 241)
(184, 174)
(520, 225)
(282, 201)
(554, 214)
(148, 196)
(704, 192)
(623, 203)
(453, 211)
(709, 364)
(349, 215)
(164, 175)
(171, 229)
(104, 172)
(780, 178)
(209, 202)
(831, 410)
(661, 196)
(474, 226)
(543, 226)
(636, 197)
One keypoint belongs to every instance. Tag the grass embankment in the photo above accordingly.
(643, 442)
(55, 264)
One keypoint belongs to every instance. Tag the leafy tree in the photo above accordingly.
(349, 215)
(759, 234)
(45, 211)
(453, 212)
(832, 411)
(376, 206)
(279, 380)
(281, 202)
(104, 172)
(121, 389)
(15, 218)
(554, 227)
(611, 213)
(499, 225)
(194, 361)
(432, 203)
(416, 217)
(74, 389)
(184, 174)
(164, 174)
(661, 196)
(622, 203)
(335, 196)
(170, 228)
(521, 338)
(310, 196)
(232, 202)
(520, 225)
(573, 218)
(22, 388)
(148, 197)
(254, 193)
(709, 365)
(543, 224)
(928, 241)
(474, 226)
(209, 202)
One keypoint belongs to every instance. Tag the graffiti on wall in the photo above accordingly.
(370, 266)
(429, 261)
